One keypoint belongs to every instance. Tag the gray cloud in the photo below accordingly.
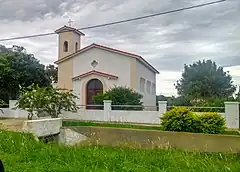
(168, 42)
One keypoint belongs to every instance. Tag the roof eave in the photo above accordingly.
(68, 29)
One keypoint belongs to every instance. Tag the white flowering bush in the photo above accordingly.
(46, 100)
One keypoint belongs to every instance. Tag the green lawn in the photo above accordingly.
(132, 126)
(112, 125)
(20, 153)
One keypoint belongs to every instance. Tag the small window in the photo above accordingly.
(76, 47)
(65, 46)
(148, 87)
(153, 89)
(142, 84)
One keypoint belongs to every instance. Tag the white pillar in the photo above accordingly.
(232, 114)
(12, 104)
(162, 107)
(107, 109)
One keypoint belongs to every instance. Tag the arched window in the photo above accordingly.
(65, 46)
(76, 46)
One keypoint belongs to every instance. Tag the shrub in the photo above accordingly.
(179, 119)
(121, 96)
(184, 120)
(46, 100)
(212, 123)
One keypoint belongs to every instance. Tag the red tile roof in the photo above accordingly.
(95, 72)
(142, 60)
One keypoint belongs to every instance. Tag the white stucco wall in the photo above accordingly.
(149, 99)
(108, 62)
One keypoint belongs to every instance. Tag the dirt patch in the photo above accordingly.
(11, 124)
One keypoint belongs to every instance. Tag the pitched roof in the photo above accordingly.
(67, 28)
(139, 58)
(97, 73)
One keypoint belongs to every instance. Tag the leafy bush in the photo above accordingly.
(183, 120)
(121, 96)
(209, 104)
(212, 122)
(179, 119)
(2, 103)
(46, 100)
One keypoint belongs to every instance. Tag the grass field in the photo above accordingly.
(132, 126)
(20, 153)
(113, 125)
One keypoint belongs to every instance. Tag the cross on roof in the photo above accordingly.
(70, 22)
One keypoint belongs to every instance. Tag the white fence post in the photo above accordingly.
(12, 104)
(107, 109)
(232, 114)
(162, 107)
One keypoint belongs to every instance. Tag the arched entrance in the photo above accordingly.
(94, 86)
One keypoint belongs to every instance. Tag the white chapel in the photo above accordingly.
(96, 68)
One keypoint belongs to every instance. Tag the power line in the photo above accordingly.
(119, 22)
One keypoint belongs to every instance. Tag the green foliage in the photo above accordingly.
(21, 153)
(174, 101)
(181, 119)
(2, 104)
(121, 96)
(46, 100)
(209, 105)
(52, 73)
(17, 68)
(203, 79)
(212, 123)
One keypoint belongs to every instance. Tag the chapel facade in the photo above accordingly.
(96, 68)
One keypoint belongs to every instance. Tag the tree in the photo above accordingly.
(174, 101)
(46, 101)
(52, 73)
(203, 80)
(121, 96)
(19, 69)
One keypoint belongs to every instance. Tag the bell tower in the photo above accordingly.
(69, 41)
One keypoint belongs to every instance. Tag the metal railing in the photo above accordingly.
(134, 107)
(200, 108)
(91, 106)
(150, 108)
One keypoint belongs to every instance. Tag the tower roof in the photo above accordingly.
(67, 28)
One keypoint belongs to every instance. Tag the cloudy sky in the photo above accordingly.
(168, 42)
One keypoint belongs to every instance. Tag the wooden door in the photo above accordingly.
(94, 87)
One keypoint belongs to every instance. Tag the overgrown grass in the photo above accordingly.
(124, 125)
(19, 152)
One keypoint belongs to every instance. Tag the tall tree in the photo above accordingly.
(203, 80)
(19, 69)
(52, 73)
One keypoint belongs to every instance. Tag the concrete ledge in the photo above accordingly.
(43, 127)
(160, 139)
(70, 137)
